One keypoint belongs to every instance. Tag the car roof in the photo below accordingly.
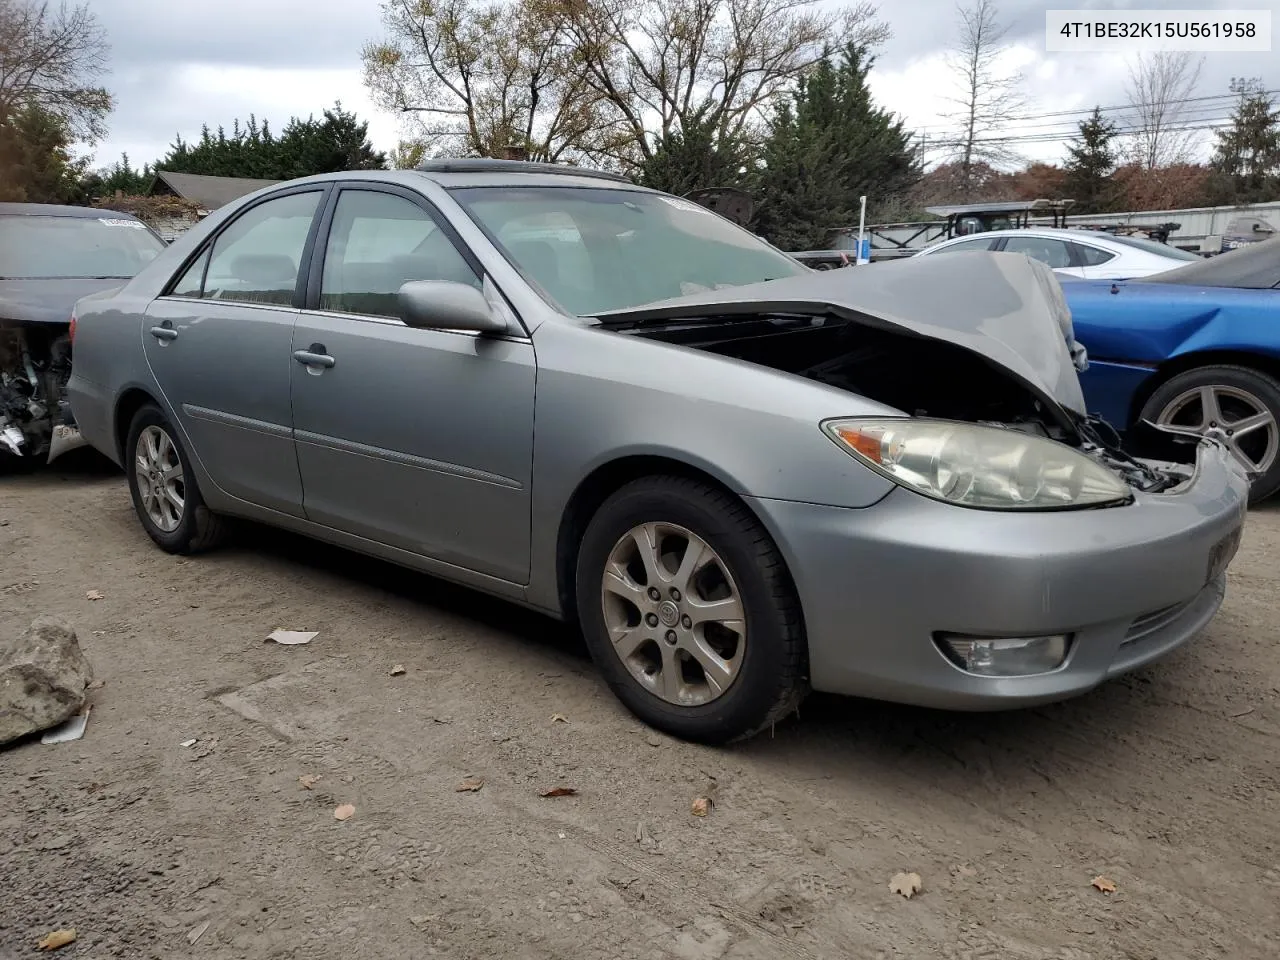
(57, 210)
(1252, 267)
(1085, 236)
(482, 173)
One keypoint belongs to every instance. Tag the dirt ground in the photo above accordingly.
(1166, 782)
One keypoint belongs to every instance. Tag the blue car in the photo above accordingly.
(1193, 351)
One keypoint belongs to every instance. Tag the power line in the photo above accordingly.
(1136, 106)
(1209, 105)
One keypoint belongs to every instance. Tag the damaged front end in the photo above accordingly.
(35, 417)
(980, 339)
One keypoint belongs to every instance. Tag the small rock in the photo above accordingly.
(43, 677)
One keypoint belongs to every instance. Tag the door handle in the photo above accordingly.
(315, 357)
(165, 332)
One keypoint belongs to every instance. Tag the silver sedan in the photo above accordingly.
(741, 478)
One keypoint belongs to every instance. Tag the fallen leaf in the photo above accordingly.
(1105, 884)
(309, 781)
(57, 940)
(907, 884)
(559, 718)
(344, 812)
(195, 933)
(397, 670)
(701, 807)
(469, 785)
(560, 792)
(93, 595)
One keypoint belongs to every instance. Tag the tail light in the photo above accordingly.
(72, 335)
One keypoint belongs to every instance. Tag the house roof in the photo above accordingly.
(209, 192)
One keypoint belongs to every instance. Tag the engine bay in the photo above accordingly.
(917, 375)
(35, 364)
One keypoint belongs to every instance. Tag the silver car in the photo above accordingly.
(741, 478)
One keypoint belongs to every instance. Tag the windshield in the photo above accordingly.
(1151, 246)
(49, 248)
(593, 250)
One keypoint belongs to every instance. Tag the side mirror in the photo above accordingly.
(444, 305)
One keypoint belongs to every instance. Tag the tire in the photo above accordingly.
(1238, 389)
(766, 651)
(196, 527)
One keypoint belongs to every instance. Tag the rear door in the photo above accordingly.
(1048, 250)
(219, 340)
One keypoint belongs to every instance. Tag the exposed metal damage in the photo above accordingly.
(35, 417)
(993, 346)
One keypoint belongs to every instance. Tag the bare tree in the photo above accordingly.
(486, 79)
(1159, 87)
(49, 59)
(988, 100)
(670, 65)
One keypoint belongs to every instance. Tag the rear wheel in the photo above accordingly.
(1239, 405)
(164, 490)
(689, 611)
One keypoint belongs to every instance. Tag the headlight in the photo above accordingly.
(975, 466)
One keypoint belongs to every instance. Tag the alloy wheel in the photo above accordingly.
(674, 614)
(1233, 415)
(159, 475)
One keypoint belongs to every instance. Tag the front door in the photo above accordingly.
(218, 344)
(419, 439)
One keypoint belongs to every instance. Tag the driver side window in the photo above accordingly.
(379, 242)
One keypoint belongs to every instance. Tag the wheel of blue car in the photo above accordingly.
(163, 486)
(1239, 405)
(689, 612)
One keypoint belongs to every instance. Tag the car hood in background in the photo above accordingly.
(48, 301)
(1005, 307)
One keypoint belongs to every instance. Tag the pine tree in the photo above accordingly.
(828, 145)
(1091, 160)
(339, 141)
(1247, 154)
(36, 163)
(695, 158)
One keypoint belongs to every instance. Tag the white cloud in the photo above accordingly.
(180, 65)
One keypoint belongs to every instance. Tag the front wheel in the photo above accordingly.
(689, 612)
(1239, 405)
(163, 487)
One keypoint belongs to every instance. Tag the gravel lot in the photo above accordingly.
(1166, 781)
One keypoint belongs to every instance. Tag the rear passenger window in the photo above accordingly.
(256, 259)
(378, 243)
(1045, 249)
(1092, 256)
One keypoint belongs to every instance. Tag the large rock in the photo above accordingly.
(43, 675)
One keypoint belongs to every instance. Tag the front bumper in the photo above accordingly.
(1130, 583)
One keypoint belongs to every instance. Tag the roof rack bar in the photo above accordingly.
(486, 165)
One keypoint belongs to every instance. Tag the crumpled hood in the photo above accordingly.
(1005, 307)
(47, 301)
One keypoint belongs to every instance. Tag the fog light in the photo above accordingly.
(1007, 656)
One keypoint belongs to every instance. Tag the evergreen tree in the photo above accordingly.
(1247, 154)
(36, 164)
(1091, 160)
(120, 176)
(828, 145)
(695, 158)
(337, 142)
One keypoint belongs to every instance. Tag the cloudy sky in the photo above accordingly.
(179, 65)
